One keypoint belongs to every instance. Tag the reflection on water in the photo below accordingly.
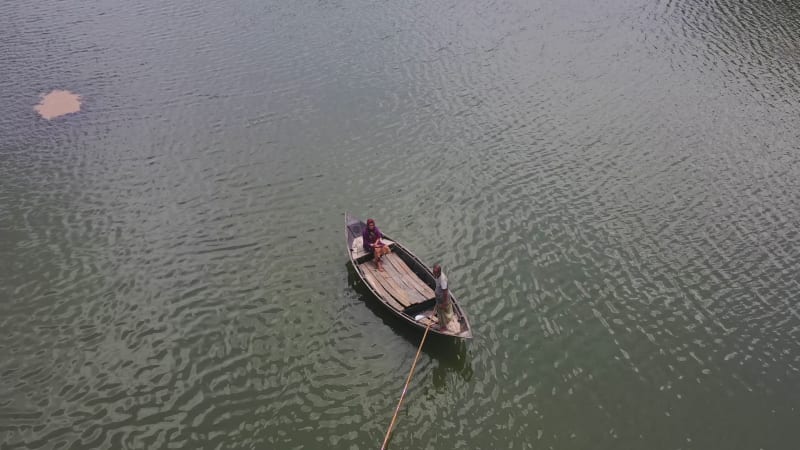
(612, 189)
(452, 358)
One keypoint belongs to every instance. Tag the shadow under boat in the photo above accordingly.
(451, 354)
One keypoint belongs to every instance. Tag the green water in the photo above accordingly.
(611, 188)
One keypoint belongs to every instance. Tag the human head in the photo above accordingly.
(437, 270)
(370, 222)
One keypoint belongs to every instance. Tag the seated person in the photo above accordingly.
(373, 244)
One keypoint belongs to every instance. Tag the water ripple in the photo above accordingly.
(610, 190)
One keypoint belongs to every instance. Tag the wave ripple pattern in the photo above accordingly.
(610, 186)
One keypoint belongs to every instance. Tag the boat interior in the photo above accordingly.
(397, 283)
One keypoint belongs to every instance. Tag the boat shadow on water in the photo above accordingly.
(451, 353)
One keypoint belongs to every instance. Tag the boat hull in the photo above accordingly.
(406, 285)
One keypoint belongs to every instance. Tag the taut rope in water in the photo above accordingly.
(405, 389)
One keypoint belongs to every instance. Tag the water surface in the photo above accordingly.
(611, 188)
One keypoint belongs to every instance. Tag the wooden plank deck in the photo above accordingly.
(407, 274)
(397, 282)
(380, 289)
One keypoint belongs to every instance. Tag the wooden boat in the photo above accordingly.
(405, 287)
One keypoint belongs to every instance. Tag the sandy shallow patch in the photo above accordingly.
(57, 103)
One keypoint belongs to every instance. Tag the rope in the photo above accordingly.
(405, 389)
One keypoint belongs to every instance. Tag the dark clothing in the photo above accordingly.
(371, 237)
